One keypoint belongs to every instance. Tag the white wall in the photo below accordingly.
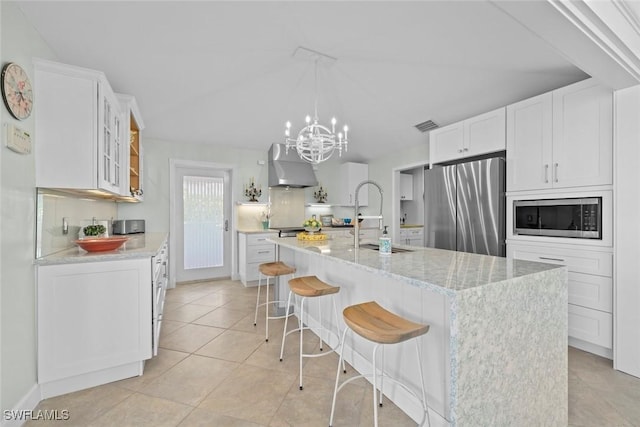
(2, 113)
(627, 231)
(155, 208)
(381, 171)
(20, 42)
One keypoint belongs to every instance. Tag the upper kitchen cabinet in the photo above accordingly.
(79, 142)
(352, 174)
(478, 135)
(132, 137)
(561, 139)
(406, 186)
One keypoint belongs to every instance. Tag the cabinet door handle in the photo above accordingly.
(264, 252)
(226, 225)
(556, 172)
(546, 173)
(551, 259)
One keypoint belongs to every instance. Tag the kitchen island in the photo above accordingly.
(496, 352)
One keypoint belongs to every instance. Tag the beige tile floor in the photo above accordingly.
(214, 368)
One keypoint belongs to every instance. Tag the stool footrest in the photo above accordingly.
(279, 317)
(270, 302)
(393, 380)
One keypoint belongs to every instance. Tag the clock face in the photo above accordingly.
(16, 91)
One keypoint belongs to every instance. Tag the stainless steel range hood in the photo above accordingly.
(289, 170)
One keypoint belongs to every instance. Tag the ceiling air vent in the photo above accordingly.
(426, 126)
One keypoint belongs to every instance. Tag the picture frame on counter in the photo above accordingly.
(326, 220)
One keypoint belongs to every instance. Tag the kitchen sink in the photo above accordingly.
(376, 247)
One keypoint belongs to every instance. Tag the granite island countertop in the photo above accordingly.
(138, 246)
(442, 271)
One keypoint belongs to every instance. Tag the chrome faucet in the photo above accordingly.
(356, 226)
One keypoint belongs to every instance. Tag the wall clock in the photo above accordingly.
(17, 92)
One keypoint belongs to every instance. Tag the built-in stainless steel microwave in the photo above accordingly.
(580, 217)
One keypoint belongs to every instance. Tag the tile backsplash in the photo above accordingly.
(53, 208)
(287, 206)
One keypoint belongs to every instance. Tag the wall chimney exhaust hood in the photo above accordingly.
(289, 170)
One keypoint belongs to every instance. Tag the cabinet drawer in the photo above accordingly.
(578, 261)
(258, 239)
(253, 274)
(262, 253)
(590, 325)
(414, 233)
(591, 291)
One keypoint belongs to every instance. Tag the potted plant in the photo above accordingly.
(96, 230)
(265, 216)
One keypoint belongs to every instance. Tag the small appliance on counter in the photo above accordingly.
(128, 226)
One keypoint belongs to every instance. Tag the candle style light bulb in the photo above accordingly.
(346, 129)
(307, 119)
(333, 125)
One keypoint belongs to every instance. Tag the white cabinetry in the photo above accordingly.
(98, 321)
(561, 139)
(92, 317)
(590, 291)
(78, 129)
(406, 186)
(132, 145)
(160, 278)
(254, 250)
(475, 136)
(413, 236)
(352, 174)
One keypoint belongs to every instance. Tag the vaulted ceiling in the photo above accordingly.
(223, 73)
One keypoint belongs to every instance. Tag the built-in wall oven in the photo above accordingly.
(564, 217)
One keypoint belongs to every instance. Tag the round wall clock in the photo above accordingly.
(17, 92)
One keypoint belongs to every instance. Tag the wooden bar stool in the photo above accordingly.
(310, 287)
(270, 269)
(380, 326)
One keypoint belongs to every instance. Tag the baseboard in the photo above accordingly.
(591, 348)
(23, 410)
(90, 379)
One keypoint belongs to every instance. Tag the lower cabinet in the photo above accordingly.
(98, 321)
(160, 267)
(254, 250)
(413, 236)
(590, 291)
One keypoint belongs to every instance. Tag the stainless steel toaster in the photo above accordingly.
(128, 226)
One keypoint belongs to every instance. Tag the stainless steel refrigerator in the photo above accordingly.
(465, 207)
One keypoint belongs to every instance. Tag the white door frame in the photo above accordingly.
(194, 164)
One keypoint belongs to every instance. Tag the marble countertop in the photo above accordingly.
(327, 229)
(443, 271)
(138, 246)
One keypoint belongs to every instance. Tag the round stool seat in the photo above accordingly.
(311, 286)
(376, 324)
(277, 268)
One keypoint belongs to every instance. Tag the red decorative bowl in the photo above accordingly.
(101, 244)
